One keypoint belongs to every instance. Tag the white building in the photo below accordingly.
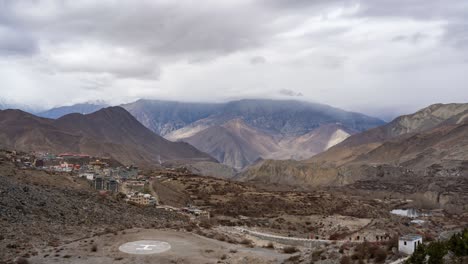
(408, 244)
(88, 175)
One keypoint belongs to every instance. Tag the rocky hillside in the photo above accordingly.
(110, 132)
(432, 142)
(238, 144)
(403, 126)
(41, 210)
(234, 143)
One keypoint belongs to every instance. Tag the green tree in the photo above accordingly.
(436, 251)
(419, 255)
(458, 244)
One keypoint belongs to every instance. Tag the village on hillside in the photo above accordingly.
(105, 175)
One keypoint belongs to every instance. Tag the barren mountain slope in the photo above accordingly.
(237, 144)
(447, 142)
(307, 145)
(435, 142)
(108, 132)
(403, 126)
(24, 131)
(234, 143)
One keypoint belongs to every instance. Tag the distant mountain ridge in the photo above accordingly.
(290, 129)
(241, 132)
(108, 132)
(83, 108)
(432, 140)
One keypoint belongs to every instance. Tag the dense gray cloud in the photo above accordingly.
(340, 52)
(257, 60)
(289, 92)
(15, 42)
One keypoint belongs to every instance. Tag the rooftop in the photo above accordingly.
(410, 237)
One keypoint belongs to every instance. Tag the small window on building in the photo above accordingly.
(405, 243)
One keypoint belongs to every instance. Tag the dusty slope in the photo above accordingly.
(39, 209)
(435, 137)
(307, 145)
(234, 143)
(108, 132)
(361, 143)
(238, 144)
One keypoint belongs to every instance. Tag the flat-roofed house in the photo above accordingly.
(407, 244)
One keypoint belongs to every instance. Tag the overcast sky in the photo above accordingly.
(381, 57)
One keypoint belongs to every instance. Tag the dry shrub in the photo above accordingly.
(290, 250)
(335, 236)
(316, 255)
(392, 243)
(372, 250)
(270, 245)
(208, 223)
(205, 223)
(345, 260)
(428, 237)
(295, 258)
(380, 255)
(247, 242)
(220, 237)
(21, 260)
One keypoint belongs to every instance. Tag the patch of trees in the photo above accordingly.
(434, 252)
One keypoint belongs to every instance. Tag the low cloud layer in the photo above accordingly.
(288, 92)
(360, 55)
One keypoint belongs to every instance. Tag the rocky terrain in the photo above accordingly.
(343, 216)
(428, 148)
(238, 144)
(39, 210)
(110, 132)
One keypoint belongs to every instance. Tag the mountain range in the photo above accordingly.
(84, 108)
(432, 140)
(109, 132)
(238, 133)
(284, 142)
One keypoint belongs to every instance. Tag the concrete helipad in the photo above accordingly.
(145, 247)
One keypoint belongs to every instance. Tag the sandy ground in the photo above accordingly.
(185, 248)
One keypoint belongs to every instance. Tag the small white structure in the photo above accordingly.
(408, 244)
(88, 175)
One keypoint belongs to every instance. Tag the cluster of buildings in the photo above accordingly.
(103, 174)
(141, 198)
